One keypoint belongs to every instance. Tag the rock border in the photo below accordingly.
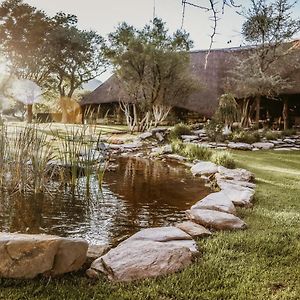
(155, 251)
(150, 252)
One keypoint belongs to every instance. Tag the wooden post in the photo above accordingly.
(285, 113)
(29, 113)
(257, 110)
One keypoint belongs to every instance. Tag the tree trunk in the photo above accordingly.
(29, 113)
(285, 113)
(257, 109)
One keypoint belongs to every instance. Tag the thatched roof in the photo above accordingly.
(212, 78)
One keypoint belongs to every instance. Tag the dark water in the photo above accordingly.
(140, 193)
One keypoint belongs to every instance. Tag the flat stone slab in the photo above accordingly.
(28, 255)
(215, 219)
(160, 234)
(235, 174)
(216, 201)
(204, 168)
(193, 229)
(222, 183)
(190, 137)
(176, 157)
(145, 135)
(239, 195)
(264, 146)
(239, 146)
(141, 259)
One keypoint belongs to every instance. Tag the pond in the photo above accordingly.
(139, 193)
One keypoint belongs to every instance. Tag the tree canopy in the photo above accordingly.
(152, 66)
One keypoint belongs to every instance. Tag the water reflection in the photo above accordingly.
(139, 193)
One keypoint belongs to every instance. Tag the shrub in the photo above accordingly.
(223, 158)
(272, 135)
(227, 111)
(191, 151)
(289, 132)
(178, 130)
(197, 152)
(246, 137)
(214, 130)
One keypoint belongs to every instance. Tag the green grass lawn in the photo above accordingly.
(262, 262)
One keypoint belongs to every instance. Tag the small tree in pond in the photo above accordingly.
(152, 67)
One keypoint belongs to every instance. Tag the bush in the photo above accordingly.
(197, 152)
(223, 158)
(289, 132)
(214, 130)
(178, 130)
(245, 137)
(191, 151)
(272, 135)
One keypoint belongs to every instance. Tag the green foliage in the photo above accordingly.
(178, 130)
(52, 52)
(191, 151)
(214, 130)
(272, 135)
(249, 137)
(270, 22)
(152, 65)
(223, 158)
(289, 132)
(227, 111)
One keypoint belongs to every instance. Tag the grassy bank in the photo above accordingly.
(262, 262)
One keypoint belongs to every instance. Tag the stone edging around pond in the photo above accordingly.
(149, 253)
(159, 251)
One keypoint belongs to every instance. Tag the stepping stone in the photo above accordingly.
(215, 219)
(193, 229)
(216, 201)
(141, 259)
(204, 168)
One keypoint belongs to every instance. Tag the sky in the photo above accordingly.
(104, 16)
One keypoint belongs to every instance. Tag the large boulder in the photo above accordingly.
(148, 253)
(216, 201)
(193, 229)
(204, 168)
(215, 219)
(141, 259)
(26, 255)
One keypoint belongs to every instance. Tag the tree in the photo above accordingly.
(152, 67)
(23, 36)
(52, 52)
(77, 57)
(227, 111)
(266, 29)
